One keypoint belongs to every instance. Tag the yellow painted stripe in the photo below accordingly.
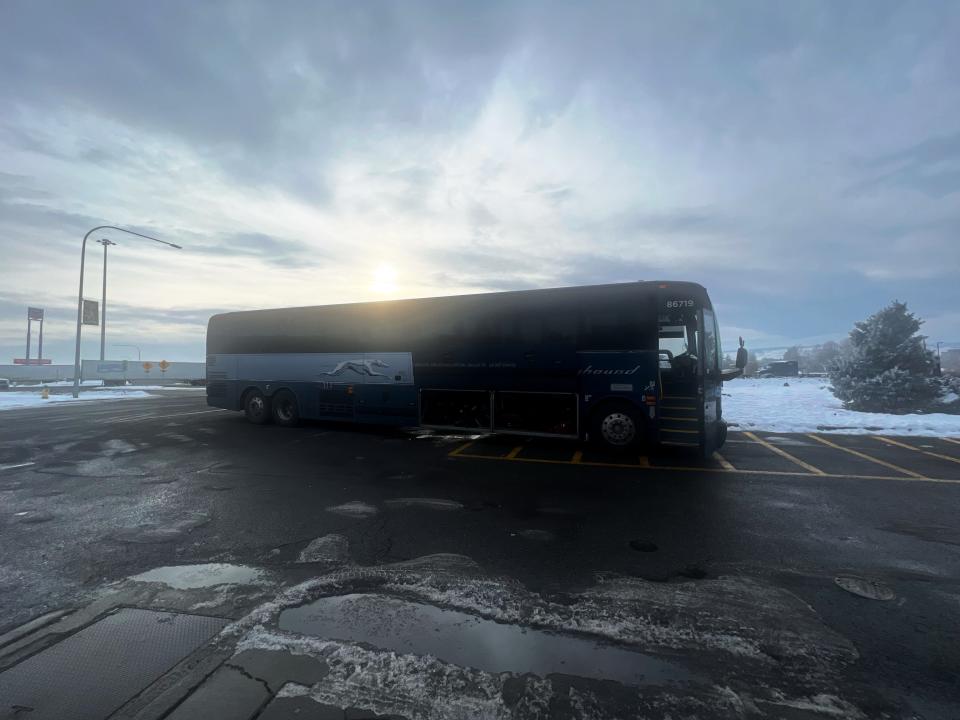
(577, 457)
(461, 449)
(859, 454)
(722, 471)
(513, 453)
(784, 454)
(723, 461)
(916, 449)
(951, 440)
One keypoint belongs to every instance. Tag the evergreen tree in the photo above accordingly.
(792, 353)
(886, 367)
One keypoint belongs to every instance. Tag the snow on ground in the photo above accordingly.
(11, 400)
(807, 405)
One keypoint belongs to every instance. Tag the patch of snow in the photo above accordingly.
(329, 548)
(186, 577)
(13, 400)
(430, 503)
(154, 387)
(806, 405)
(354, 508)
(385, 683)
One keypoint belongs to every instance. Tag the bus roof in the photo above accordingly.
(692, 290)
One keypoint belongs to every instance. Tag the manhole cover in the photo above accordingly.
(870, 589)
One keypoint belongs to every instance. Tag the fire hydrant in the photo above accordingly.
(45, 393)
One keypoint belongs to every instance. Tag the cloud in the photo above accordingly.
(802, 161)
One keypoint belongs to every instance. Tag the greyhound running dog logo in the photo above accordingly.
(361, 367)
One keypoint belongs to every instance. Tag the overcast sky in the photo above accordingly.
(800, 159)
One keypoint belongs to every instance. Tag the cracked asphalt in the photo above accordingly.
(94, 493)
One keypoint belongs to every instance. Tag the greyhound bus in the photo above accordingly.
(624, 365)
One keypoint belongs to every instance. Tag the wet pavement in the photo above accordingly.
(372, 573)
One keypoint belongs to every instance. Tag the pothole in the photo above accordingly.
(186, 577)
(870, 589)
(466, 640)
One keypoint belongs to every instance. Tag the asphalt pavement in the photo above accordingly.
(795, 575)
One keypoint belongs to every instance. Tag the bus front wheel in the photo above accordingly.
(256, 407)
(617, 426)
(285, 409)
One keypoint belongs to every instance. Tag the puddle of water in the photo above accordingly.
(469, 641)
(186, 577)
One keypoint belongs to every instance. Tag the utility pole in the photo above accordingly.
(103, 302)
(939, 366)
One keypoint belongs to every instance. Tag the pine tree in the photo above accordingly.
(886, 367)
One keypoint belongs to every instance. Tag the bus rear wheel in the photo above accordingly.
(256, 407)
(286, 412)
(617, 426)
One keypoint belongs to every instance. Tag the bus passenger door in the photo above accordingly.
(710, 356)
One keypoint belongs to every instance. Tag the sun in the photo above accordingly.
(384, 280)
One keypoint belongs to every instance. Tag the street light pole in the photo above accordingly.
(83, 253)
(103, 301)
(939, 366)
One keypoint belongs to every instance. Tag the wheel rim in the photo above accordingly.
(618, 429)
(285, 411)
(256, 405)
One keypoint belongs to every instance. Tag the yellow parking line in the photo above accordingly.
(577, 457)
(513, 453)
(916, 449)
(723, 471)
(723, 461)
(859, 454)
(784, 454)
(460, 449)
(957, 442)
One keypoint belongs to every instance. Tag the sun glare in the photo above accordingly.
(384, 280)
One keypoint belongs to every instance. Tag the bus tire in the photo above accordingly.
(286, 411)
(617, 426)
(256, 407)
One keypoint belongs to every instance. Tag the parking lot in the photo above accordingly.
(860, 457)
(737, 569)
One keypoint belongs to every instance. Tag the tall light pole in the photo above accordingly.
(103, 301)
(939, 366)
(83, 253)
(135, 347)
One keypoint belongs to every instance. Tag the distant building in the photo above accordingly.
(780, 368)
